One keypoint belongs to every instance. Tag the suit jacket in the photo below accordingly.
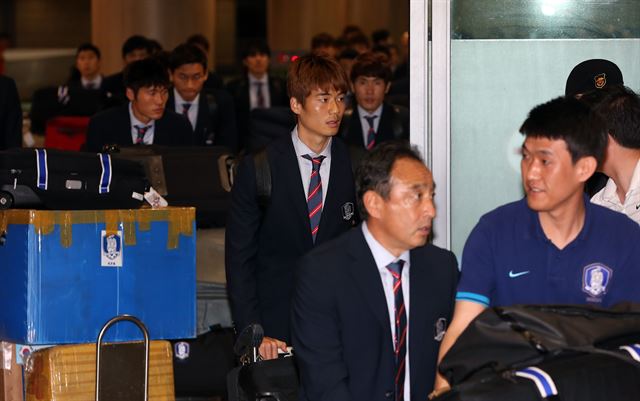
(10, 114)
(113, 87)
(215, 127)
(239, 89)
(263, 243)
(113, 127)
(340, 321)
(351, 130)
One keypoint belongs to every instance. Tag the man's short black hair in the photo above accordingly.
(374, 171)
(256, 47)
(147, 73)
(380, 35)
(619, 108)
(371, 65)
(88, 47)
(135, 42)
(322, 39)
(199, 40)
(187, 54)
(570, 120)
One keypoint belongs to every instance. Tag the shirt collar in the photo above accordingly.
(264, 80)
(95, 81)
(135, 121)
(302, 149)
(610, 194)
(381, 256)
(180, 101)
(377, 112)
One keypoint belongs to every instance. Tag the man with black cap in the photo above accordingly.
(590, 76)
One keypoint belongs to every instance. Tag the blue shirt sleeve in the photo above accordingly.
(478, 275)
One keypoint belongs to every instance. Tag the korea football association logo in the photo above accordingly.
(111, 249)
(111, 246)
(596, 278)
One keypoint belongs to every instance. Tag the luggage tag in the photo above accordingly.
(155, 199)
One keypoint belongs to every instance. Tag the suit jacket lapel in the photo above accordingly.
(124, 127)
(385, 128)
(202, 120)
(355, 129)
(338, 175)
(291, 172)
(419, 308)
(367, 279)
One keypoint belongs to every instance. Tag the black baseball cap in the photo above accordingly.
(592, 74)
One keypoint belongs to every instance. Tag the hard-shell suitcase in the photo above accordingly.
(67, 180)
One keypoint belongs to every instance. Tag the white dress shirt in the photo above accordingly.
(306, 166)
(383, 258)
(608, 197)
(192, 114)
(148, 136)
(365, 124)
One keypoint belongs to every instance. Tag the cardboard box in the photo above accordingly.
(10, 374)
(68, 373)
(66, 273)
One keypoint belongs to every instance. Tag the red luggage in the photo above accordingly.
(66, 132)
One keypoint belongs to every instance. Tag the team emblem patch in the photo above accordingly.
(347, 211)
(595, 279)
(600, 80)
(181, 350)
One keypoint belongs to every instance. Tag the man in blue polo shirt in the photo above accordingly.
(553, 246)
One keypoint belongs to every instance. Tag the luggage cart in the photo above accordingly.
(120, 366)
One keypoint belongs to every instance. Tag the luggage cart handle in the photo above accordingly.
(145, 333)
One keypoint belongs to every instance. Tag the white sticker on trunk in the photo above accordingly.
(111, 247)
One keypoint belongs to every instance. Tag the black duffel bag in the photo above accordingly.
(69, 180)
(519, 352)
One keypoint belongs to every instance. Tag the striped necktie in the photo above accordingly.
(371, 134)
(314, 198)
(400, 343)
(141, 130)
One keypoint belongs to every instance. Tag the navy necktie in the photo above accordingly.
(185, 109)
(400, 319)
(314, 198)
(260, 95)
(371, 133)
(141, 130)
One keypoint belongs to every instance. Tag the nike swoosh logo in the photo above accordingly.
(638, 206)
(518, 274)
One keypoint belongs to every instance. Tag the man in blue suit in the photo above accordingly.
(311, 200)
(370, 307)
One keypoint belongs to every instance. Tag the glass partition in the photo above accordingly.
(507, 56)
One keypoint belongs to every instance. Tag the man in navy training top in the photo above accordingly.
(553, 246)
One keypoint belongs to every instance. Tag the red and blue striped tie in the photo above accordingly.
(141, 131)
(400, 339)
(371, 134)
(314, 198)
